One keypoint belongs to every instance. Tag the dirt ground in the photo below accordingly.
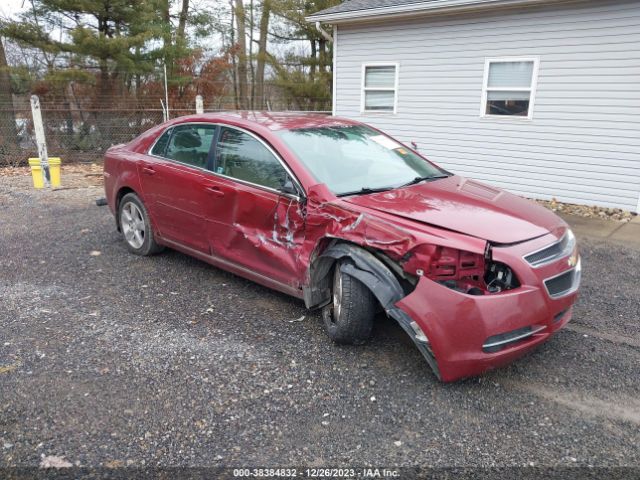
(112, 360)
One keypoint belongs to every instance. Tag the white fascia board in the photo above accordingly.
(434, 6)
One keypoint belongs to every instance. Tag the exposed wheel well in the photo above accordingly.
(121, 193)
(377, 272)
(377, 264)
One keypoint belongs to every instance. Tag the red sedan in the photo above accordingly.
(343, 216)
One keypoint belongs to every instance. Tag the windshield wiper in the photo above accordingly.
(423, 179)
(364, 191)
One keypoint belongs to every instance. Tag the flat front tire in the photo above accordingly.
(136, 227)
(348, 319)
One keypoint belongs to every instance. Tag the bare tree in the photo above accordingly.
(252, 76)
(242, 55)
(234, 61)
(8, 132)
(259, 100)
(182, 21)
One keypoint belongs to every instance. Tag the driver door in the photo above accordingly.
(252, 223)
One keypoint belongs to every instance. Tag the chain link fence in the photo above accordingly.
(81, 131)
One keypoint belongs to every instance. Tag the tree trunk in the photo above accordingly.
(166, 35)
(242, 55)
(8, 131)
(182, 22)
(314, 53)
(234, 63)
(322, 56)
(103, 115)
(259, 101)
(252, 77)
(166, 24)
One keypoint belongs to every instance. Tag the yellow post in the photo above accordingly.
(36, 173)
(54, 171)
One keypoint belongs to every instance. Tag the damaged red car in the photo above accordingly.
(341, 215)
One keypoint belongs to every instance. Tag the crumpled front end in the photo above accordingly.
(470, 332)
(469, 305)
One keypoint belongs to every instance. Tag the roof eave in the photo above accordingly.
(437, 6)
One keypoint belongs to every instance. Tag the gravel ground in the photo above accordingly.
(108, 359)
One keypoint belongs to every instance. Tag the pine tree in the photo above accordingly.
(8, 131)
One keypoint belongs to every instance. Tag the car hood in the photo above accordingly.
(465, 206)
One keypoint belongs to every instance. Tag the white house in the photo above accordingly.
(540, 97)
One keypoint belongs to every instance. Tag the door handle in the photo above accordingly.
(215, 190)
(148, 170)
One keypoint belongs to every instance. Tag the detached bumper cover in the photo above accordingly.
(472, 334)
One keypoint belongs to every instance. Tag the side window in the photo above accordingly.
(161, 145)
(509, 87)
(241, 156)
(190, 144)
(379, 88)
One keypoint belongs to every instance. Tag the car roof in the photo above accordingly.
(271, 120)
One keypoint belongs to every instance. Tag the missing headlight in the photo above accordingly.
(499, 277)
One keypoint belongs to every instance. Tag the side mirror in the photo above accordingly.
(289, 188)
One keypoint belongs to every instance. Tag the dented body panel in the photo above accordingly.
(451, 203)
(457, 325)
(444, 258)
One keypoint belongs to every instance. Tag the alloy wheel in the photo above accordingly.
(133, 225)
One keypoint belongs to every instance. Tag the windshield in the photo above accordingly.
(356, 159)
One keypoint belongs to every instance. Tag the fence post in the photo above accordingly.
(166, 94)
(41, 141)
(199, 104)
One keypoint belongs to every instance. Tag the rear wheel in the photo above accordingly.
(136, 226)
(348, 319)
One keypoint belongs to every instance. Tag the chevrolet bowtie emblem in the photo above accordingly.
(573, 260)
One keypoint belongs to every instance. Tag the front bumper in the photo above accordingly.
(469, 334)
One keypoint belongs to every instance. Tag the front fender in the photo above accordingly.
(373, 273)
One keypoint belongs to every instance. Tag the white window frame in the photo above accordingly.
(393, 89)
(532, 88)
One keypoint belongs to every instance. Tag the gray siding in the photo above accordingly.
(583, 143)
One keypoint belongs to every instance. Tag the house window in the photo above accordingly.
(379, 88)
(509, 87)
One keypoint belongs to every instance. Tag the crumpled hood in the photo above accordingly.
(465, 206)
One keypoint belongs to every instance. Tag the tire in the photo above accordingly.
(136, 227)
(348, 319)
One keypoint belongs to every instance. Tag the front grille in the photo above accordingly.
(554, 251)
(563, 284)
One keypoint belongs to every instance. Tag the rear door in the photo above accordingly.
(252, 223)
(174, 182)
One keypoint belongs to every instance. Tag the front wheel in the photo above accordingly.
(348, 319)
(136, 226)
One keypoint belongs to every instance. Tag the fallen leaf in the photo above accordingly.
(114, 464)
(9, 368)
(53, 461)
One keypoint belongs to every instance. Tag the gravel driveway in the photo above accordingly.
(110, 360)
